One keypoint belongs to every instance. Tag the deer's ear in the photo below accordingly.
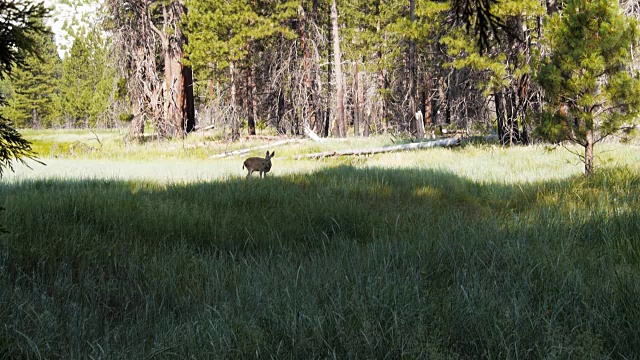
(273, 153)
(267, 153)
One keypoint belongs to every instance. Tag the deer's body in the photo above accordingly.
(261, 165)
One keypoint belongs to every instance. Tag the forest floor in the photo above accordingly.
(126, 250)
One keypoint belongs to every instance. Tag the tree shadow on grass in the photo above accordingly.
(297, 211)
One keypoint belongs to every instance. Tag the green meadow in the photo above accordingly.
(138, 251)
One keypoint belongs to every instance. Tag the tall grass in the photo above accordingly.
(434, 254)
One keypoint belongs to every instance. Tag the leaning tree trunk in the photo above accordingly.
(339, 123)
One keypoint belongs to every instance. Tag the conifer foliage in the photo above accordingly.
(20, 23)
(590, 91)
(34, 99)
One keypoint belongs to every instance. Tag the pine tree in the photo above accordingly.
(34, 99)
(86, 82)
(589, 89)
(504, 67)
(227, 38)
(76, 86)
(20, 23)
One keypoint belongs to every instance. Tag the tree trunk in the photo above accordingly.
(414, 127)
(188, 103)
(235, 129)
(357, 100)
(509, 110)
(588, 153)
(381, 118)
(514, 119)
(419, 120)
(426, 102)
(137, 124)
(251, 102)
(280, 114)
(171, 69)
(500, 116)
(179, 107)
(311, 106)
(552, 7)
(362, 119)
(338, 129)
(442, 102)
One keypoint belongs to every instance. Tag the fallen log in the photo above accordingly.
(421, 145)
(204, 128)
(244, 151)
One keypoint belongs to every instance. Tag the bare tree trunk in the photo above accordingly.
(428, 121)
(442, 101)
(339, 123)
(381, 106)
(235, 129)
(360, 105)
(512, 117)
(251, 102)
(189, 101)
(357, 100)
(414, 127)
(327, 115)
(500, 116)
(311, 105)
(137, 125)
(280, 114)
(552, 7)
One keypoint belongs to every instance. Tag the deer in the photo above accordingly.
(262, 165)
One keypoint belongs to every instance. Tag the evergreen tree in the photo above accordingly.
(226, 39)
(20, 23)
(86, 82)
(34, 100)
(505, 67)
(77, 83)
(589, 89)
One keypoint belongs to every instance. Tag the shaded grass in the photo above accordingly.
(345, 262)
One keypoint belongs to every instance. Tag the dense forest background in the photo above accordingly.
(340, 68)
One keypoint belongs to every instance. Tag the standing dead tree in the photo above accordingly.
(135, 46)
(138, 45)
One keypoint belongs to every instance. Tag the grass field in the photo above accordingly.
(155, 251)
